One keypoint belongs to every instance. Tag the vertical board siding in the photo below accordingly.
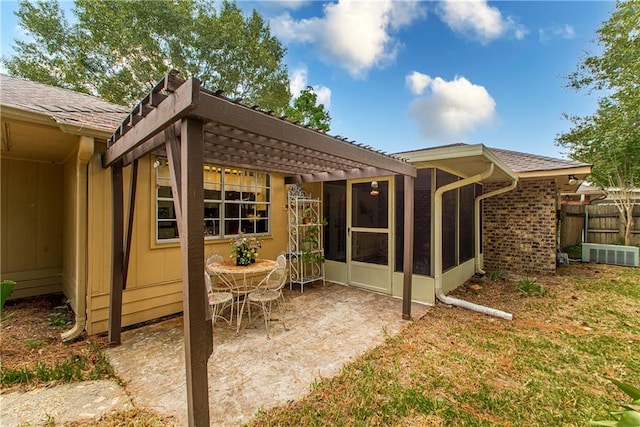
(154, 269)
(32, 213)
(69, 230)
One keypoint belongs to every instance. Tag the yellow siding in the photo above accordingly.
(154, 286)
(32, 212)
(69, 231)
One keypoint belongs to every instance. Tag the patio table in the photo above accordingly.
(241, 279)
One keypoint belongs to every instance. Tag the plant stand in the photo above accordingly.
(305, 250)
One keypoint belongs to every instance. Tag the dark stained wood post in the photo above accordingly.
(198, 334)
(407, 266)
(117, 255)
(130, 218)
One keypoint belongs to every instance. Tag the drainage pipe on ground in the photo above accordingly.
(438, 248)
(476, 211)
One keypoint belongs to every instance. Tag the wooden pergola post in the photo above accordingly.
(198, 333)
(407, 266)
(117, 255)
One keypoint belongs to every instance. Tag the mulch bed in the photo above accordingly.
(31, 335)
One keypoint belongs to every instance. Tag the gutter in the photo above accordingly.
(481, 197)
(438, 248)
(85, 152)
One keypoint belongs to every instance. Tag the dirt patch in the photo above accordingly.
(31, 337)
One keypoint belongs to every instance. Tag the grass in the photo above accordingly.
(497, 275)
(136, 417)
(457, 368)
(60, 316)
(548, 367)
(530, 287)
(75, 368)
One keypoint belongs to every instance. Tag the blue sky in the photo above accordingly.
(402, 75)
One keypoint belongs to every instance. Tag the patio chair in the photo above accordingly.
(218, 300)
(270, 292)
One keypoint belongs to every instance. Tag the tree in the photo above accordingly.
(118, 49)
(610, 138)
(308, 112)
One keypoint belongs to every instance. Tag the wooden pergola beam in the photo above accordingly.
(281, 149)
(366, 172)
(130, 218)
(220, 110)
(174, 107)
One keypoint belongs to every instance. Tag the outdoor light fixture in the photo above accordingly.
(572, 180)
(374, 188)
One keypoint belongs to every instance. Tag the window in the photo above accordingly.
(421, 223)
(335, 211)
(234, 201)
(458, 221)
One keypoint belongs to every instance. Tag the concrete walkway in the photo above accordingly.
(64, 403)
(328, 326)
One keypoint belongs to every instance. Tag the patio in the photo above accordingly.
(328, 326)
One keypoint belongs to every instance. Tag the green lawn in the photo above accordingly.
(454, 367)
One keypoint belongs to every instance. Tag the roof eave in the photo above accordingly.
(41, 118)
(439, 157)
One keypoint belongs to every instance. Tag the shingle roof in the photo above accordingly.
(525, 162)
(62, 105)
(521, 162)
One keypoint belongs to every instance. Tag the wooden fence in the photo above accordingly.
(602, 221)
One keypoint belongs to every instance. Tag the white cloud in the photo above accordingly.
(452, 108)
(298, 82)
(565, 31)
(324, 96)
(355, 35)
(285, 4)
(417, 82)
(478, 20)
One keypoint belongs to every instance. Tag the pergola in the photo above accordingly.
(190, 126)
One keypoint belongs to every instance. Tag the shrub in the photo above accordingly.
(528, 286)
(628, 417)
(494, 276)
(6, 287)
(574, 251)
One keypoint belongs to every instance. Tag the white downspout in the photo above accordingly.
(85, 151)
(438, 248)
(476, 211)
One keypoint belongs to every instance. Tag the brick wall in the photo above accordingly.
(519, 228)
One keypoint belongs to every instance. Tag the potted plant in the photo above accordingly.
(245, 249)
(311, 241)
(306, 215)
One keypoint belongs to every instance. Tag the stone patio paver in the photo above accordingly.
(328, 325)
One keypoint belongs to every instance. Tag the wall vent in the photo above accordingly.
(610, 254)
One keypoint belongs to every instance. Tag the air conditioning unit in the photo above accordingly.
(610, 254)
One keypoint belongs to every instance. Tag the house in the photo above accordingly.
(199, 168)
(57, 201)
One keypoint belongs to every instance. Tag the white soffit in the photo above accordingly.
(461, 160)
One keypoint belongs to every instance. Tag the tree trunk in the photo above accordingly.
(628, 225)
